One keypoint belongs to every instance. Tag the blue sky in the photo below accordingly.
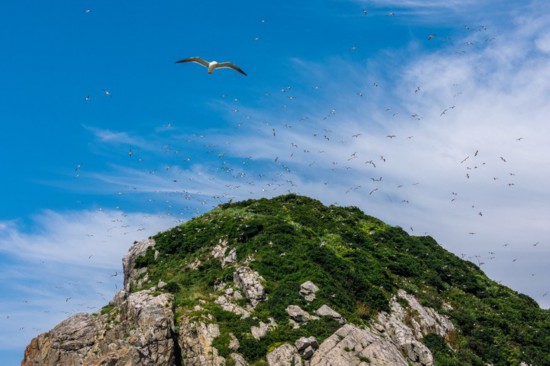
(349, 102)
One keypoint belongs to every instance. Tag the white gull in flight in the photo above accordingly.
(212, 65)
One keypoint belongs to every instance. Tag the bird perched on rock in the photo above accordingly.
(212, 65)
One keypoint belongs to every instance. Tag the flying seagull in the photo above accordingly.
(212, 65)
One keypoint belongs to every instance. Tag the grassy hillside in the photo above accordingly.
(358, 262)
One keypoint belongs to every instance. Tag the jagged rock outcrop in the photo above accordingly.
(250, 283)
(351, 345)
(407, 326)
(131, 273)
(393, 339)
(68, 343)
(138, 330)
(195, 340)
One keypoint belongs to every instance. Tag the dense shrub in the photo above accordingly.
(358, 262)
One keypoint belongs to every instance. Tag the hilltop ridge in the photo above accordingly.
(290, 281)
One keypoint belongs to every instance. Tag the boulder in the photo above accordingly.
(284, 355)
(326, 310)
(306, 346)
(308, 290)
(299, 315)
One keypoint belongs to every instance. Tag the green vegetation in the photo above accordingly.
(358, 262)
(107, 309)
(364, 359)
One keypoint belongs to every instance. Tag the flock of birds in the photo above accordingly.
(240, 182)
(186, 191)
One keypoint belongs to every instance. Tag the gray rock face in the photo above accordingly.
(150, 319)
(138, 331)
(426, 320)
(298, 316)
(68, 343)
(285, 355)
(195, 340)
(407, 327)
(250, 283)
(308, 290)
(128, 262)
(350, 345)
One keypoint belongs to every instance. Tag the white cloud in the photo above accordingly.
(63, 263)
(443, 11)
(543, 43)
(119, 137)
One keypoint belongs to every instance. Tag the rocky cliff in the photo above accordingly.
(238, 287)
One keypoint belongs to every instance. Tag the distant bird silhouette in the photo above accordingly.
(212, 65)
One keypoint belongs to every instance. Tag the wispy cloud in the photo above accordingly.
(470, 142)
(88, 246)
(118, 137)
(443, 11)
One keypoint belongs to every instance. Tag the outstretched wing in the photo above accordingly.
(194, 59)
(231, 66)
